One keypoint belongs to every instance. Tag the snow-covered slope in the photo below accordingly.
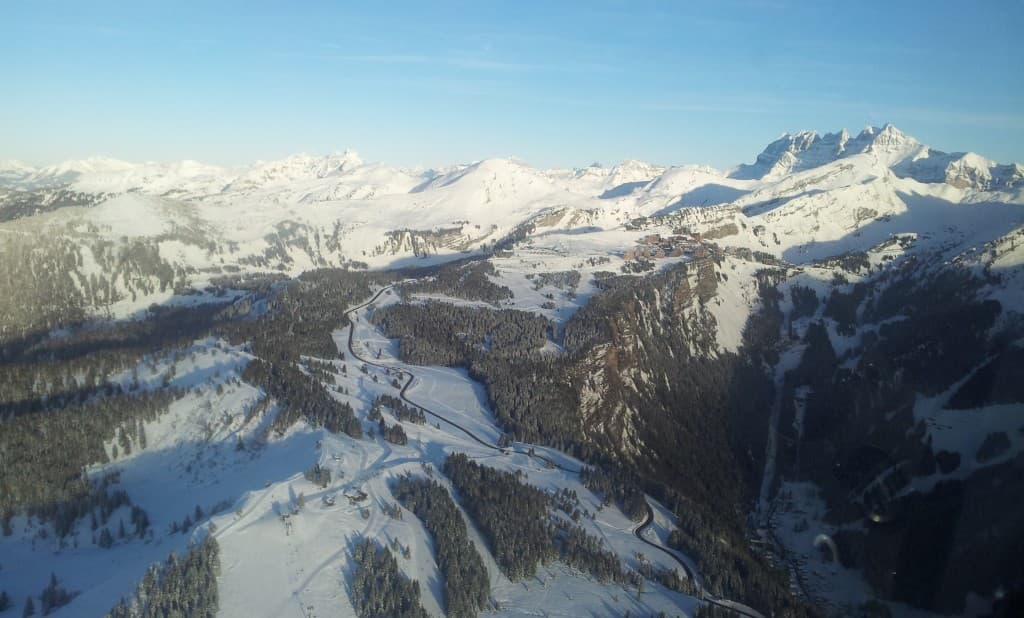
(117, 237)
(807, 149)
(618, 181)
(807, 196)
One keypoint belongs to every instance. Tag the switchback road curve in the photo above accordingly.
(703, 594)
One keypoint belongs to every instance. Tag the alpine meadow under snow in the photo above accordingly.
(320, 386)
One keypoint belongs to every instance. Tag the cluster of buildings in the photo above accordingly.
(656, 246)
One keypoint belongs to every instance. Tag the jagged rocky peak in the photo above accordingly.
(888, 137)
(796, 152)
(889, 146)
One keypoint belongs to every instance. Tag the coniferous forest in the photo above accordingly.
(466, 583)
(379, 590)
(512, 515)
(183, 586)
(521, 528)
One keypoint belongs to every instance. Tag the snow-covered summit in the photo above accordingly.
(13, 172)
(25, 176)
(492, 180)
(963, 170)
(296, 167)
(344, 175)
(807, 150)
(814, 187)
(617, 181)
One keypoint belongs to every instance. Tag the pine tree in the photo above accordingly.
(126, 444)
(5, 601)
(106, 539)
(30, 608)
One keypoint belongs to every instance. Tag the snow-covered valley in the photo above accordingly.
(708, 334)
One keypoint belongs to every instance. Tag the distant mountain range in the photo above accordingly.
(811, 364)
(833, 174)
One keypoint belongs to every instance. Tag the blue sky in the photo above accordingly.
(555, 83)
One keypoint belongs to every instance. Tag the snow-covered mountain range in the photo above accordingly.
(816, 188)
(818, 247)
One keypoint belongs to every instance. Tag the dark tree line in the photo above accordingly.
(586, 553)
(301, 316)
(394, 434)
(379, 590)
(181, 587)
(701, 415)
(15, 204)
(617, 486)
(516, 520)
(512, 515)
(853, 262)
(532, 394)
(707, 610)
(563, 280)
(436, 333)
(49, 289)
(301, 396)
(535, 399)
(805, 302)
(462, 280)
(55, 488)
(466, 583)
(402, 411)
(729, 568)
(53, 372)
(842, 307)
(669, 578)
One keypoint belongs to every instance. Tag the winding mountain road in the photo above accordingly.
(639, 531)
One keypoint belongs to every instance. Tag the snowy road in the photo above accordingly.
(423, 376)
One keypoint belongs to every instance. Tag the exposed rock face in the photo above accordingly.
(633, 343)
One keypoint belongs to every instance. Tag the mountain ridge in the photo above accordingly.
(672, 321)
(790, 153)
